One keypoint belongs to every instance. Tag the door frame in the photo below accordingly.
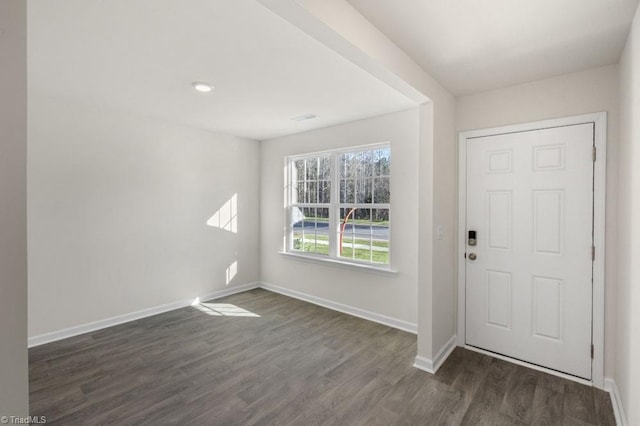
(599, 206)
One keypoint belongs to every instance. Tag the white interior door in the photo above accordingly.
(529, 198)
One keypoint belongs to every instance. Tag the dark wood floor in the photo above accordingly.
(296, 364)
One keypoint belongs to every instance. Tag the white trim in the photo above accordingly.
(432, 367)
(351, 310)
(599, 217)
(461, 243)
(444, 353)
(109, 322)
(599, 205)
(367, 267)
(611, 386)
(424, 364)
(531, 366)
(348, 149)
(229, 291)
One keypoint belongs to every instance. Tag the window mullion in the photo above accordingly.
(333, 209)
(289, 198)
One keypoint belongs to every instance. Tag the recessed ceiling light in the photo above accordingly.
(304, 117)
(202, 86)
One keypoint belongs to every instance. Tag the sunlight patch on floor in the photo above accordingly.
(224, 310)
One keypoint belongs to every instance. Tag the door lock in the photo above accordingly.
(472, 256)
(472, 238)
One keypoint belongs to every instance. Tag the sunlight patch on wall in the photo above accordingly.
(226, 217)
(232, 270)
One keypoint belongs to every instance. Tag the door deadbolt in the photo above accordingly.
(472, 238)
(472, 256)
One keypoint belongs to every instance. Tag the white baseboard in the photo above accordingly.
(109, 322)
(229, 291)
(424, 364)
(351, 310)
(444, 353)
(618, 410)
(432, 366)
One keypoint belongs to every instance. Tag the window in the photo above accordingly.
(339, 204)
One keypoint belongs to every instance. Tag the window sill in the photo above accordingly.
(340, 263)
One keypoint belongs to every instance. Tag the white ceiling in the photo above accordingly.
(141, 56)
(476, 45)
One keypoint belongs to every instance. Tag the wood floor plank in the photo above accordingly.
(518, 399)
(604, 408)
(579, 402)
(571, 421)
(469, 383)
(549, 381)
(303, 400)
(352, 410)
(292, 364)
(397, 400)
(450, 370)
(379, 416)
(431, 400)
(547, 407)
(315, 416)
(485, 407)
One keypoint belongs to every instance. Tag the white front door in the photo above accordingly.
(529, 197)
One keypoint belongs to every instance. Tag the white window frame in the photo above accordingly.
(334, 207)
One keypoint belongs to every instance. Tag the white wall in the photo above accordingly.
(384, 294)
(118, 211)
(338, 25)
(342, 28)
(14, 397)
(443, 204)
(627, 374)
(571, 94)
